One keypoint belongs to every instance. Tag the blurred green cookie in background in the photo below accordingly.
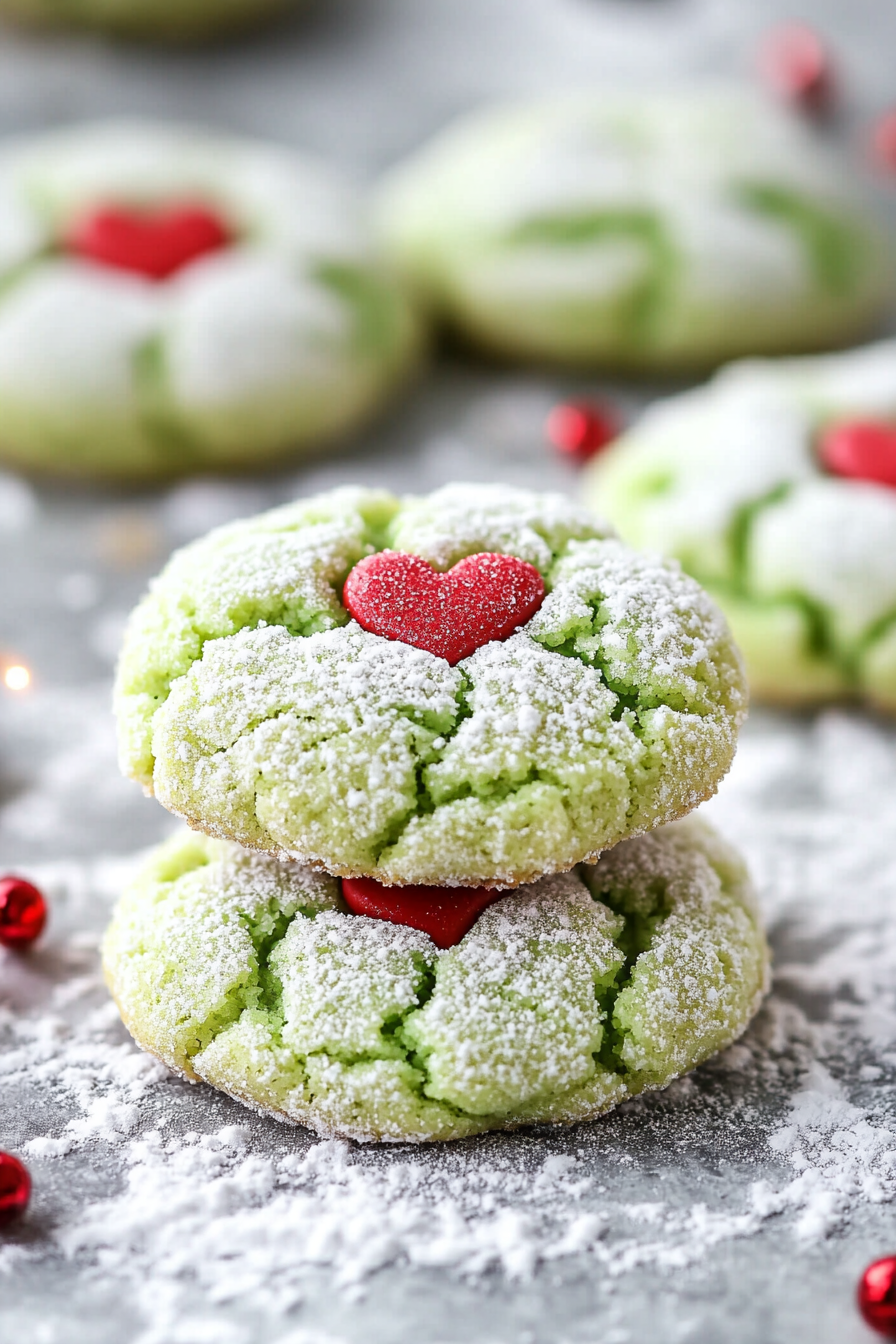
(175, 301)
(775, 485)
(564, 998)
(648, 232)
(164, 21)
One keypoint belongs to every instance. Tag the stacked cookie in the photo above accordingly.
(409, 729)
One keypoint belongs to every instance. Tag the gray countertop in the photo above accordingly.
(740, 1205)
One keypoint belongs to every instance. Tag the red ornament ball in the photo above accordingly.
(482, 598)
(581, 429)
(796, 65)
(876, 1296)
(15, 1187)
(445, 913)
(152, 243)
(883, 142)
(23, 912)
(862, 450)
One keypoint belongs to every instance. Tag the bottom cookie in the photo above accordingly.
(567, 996)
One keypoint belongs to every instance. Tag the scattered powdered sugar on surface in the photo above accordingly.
(203, 1208)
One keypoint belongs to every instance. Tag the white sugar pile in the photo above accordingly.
(209, 1207)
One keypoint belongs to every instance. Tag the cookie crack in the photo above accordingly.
(836, 249)
(638, 309)
(630, 699)
(15, 275)
(878, 631)
(300, 617)
(422, 803)
(263, 990)
(740, 529)
(634, 938)
(166, 431)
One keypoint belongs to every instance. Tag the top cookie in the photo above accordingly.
(173, 300)
(776, 486)
(253, 706)
(652, 232)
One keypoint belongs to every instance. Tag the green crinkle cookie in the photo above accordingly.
(728, 479)
(253, 707)
(566, 996)
(647, 231)
(284, 340)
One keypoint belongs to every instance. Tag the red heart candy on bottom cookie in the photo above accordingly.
(152, 243)
(863, 450)
(445, 913)
(483, 598)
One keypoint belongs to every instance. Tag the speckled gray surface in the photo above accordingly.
(740, 1206)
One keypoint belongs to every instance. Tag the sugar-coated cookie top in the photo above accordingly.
(288, 300)
(253, 706)
(563, 998)
(664, 208)
(730, 478)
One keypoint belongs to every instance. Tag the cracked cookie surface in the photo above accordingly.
(729, 479)
(252, 706)
(566, 996)
(652, 232)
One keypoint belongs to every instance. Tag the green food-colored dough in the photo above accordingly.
(653, 232)
(728, 479)
(252, 706)
(283, 341)
(565, 997)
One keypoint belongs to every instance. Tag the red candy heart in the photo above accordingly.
(152, 243)
(484, 597)
(864, 450)
(445, 913)
(23, 912)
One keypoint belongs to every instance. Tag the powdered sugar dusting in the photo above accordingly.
(249, 715)
(729, 478)
(591, 199)
(245, 973)
(209, 1217)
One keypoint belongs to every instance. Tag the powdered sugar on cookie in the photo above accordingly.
(563, 998)
(209, 1219)
(731, 479)
(368, 757)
